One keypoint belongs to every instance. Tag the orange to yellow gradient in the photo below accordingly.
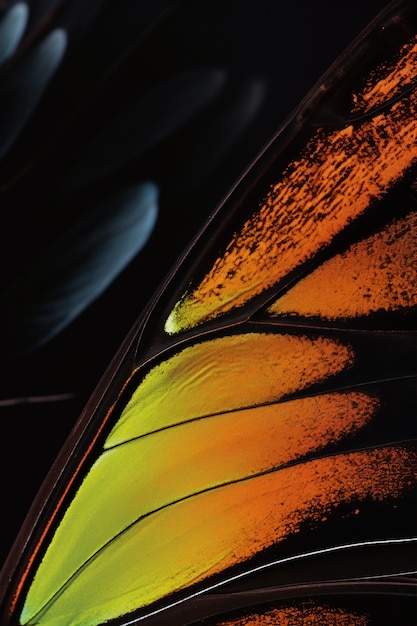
(334, 180)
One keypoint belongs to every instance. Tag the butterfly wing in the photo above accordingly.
(270, 426)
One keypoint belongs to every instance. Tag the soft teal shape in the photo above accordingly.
(82, 264)
(22, 89)
(12, 27)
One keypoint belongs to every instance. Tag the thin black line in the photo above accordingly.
(281, 401)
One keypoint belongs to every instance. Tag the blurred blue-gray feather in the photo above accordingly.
(12, 27)
(81, 265)
(22, 89)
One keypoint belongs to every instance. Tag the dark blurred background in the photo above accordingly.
(144, 110)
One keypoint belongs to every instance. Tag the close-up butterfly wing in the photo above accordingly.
(249, 456)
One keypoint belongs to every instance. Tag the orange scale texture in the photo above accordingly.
(333, 182)
(376, 274)
(387, 80)
(307, 614)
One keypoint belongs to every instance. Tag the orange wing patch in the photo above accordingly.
(387, 80)
(377, 274)
(306, 614)
(334, 181)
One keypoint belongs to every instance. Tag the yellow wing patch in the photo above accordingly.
(225, 374)
(152, 472)
(195, 538)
